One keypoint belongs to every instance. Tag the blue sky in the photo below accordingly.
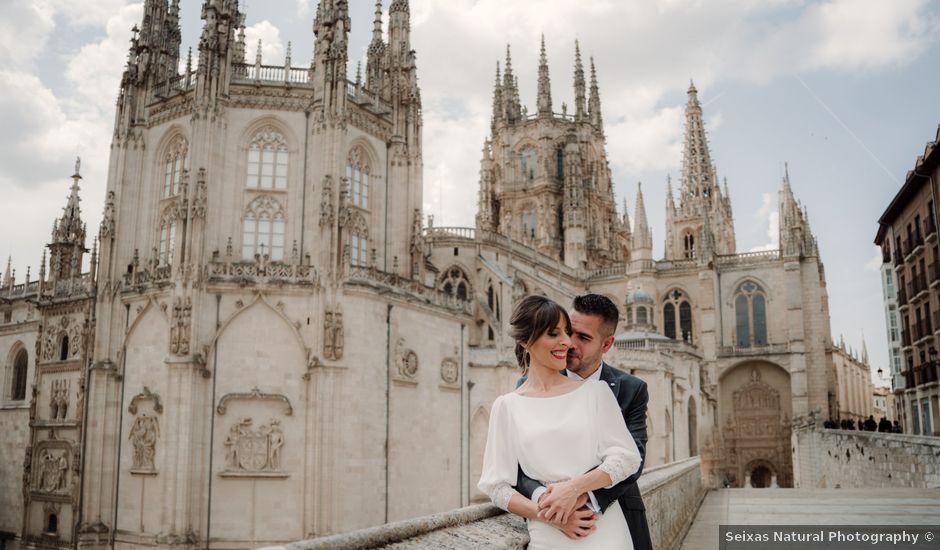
(842, 90)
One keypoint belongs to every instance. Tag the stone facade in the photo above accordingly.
(907, 235)
(843, 459)
(853, 383)
(271, 343)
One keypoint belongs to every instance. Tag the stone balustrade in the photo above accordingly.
(828, 458)
(672, 494)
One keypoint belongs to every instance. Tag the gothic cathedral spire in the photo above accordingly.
(544, 85)
(579, 94)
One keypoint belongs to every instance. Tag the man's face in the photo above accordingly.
(589, 342)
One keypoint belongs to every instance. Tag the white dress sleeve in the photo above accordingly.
(500, 463)
(616, 449)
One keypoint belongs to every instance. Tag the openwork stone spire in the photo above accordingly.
(698, 176)
(545, 85)
(594, 103)
(579, 93)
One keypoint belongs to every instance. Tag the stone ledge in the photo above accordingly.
(672, 493)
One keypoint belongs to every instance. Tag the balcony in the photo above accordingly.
(930, 228)
(934, 271)
(922, 330)
(913, 245)
(917, 288)
(749, 351)
(906, 337)
(902, 296)
(925, 373)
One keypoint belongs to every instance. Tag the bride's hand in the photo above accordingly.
(560, 500)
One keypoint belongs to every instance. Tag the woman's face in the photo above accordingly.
(551, 349)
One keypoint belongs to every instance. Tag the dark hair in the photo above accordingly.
(532, 317)
(600, 305)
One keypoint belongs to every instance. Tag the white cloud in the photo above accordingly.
(24, 30)
(876, 261)
(768, 215)
(272, 49)
(303, 8)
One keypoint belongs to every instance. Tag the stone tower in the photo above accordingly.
(544, 176)
(701, 200)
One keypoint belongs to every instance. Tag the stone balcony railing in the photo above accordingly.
(406, 288)
(747, 351)
(672, 494)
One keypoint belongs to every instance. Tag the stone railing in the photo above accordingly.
(748, 258)
(279, 74)
(22, 290)
(405, 288)
(766, 349)
(672, 494)
(647, 344)
(828, 458)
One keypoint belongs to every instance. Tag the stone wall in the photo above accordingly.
(842, 458)
(672, 494)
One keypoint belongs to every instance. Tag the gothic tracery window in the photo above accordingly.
(267, 160)
(529, 224)
(750, 311)
(263, 229)
(455, 283)
(357, 172)
(173, 165)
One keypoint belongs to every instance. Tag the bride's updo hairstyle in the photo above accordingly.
(532, 317)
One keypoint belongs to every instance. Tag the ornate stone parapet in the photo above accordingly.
(262, 272)
(407, 289)
(672, 494)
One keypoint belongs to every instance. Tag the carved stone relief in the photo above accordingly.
(406, 363)
(450, 371)
(59, 400)
(143, 437)
(326, 201)
(52, 471)
(254, 451)
(333, 335)
(180, 326)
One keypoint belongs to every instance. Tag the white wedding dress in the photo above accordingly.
(556, 439)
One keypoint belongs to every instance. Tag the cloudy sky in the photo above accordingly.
(842, 90)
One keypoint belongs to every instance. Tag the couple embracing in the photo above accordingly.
(565, 449)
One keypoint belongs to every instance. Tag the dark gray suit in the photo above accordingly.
(632, 396)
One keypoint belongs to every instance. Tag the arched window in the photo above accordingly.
(560, 162)
(527, 160)
(167, 245)
(689, 245)
(20, 366)
(529, 224)
(492, 300)
(263, 229)
(64, 348)
(669, 320)
(750, 313)
(685, 321)
(455, 283)
(677, 327)
(359, 243)
(267, 160)
(357, 172)
(173, 164)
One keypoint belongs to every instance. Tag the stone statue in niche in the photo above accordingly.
(59, 400)
(52, 473)
(249, 450)
(143, 436)
(180, 325)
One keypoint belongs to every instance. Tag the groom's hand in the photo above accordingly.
(580, 524)
(559, 501)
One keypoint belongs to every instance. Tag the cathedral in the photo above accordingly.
(272, 343)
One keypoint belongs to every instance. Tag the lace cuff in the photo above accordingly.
(501, 495)
(619, 467)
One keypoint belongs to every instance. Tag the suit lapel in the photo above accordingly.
(607, 375)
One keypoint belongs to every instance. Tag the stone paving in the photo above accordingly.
(810, 507)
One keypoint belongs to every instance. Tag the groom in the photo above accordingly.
(594, 322)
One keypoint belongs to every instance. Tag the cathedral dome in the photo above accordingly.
(639, 296)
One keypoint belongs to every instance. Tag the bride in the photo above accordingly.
(568, 434)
